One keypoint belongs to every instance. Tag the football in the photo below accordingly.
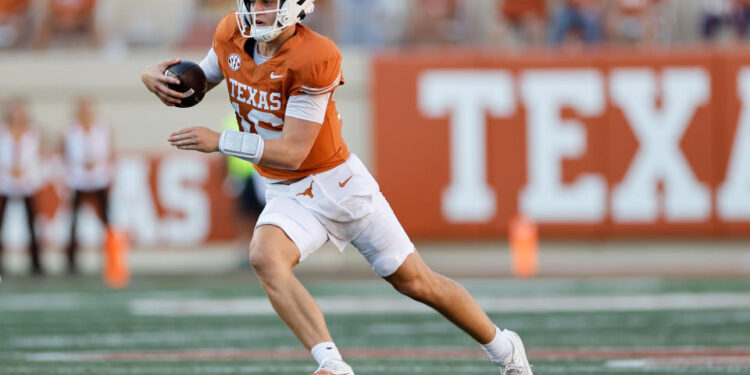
(192, 81)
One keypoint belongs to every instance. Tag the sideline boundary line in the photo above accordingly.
(737, 356)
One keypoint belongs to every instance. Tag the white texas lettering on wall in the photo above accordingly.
(550, 139)
(659, 131)
(466, 97)
(179, 192)
(733, 198)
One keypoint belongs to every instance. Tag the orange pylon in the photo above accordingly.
(116, 271)
(524, 247)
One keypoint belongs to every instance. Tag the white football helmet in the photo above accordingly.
(288, 13)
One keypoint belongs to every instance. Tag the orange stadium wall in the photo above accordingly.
(597, 145)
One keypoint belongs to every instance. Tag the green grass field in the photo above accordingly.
(222, 325)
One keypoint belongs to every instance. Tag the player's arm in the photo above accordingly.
(210, 66)
(295, 144)
(303, 120)
(210, 85)
(302, 123)
(288, 152)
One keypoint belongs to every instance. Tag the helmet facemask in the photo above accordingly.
(288, 13)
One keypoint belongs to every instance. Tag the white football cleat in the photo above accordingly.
(518, 363)
(334, 367)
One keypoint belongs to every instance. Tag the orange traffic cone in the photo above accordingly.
(116, 272)
(524, 247)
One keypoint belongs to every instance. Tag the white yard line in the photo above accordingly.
(622, 358)
(41, 302)
(398, 304)
(679, 362)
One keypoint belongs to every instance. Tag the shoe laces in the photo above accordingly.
(335, 366)
(514, 370)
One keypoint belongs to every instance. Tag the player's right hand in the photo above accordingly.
(197, 138)
(155, 80)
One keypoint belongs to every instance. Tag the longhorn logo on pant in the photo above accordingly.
(308, 192)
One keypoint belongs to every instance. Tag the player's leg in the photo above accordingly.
(388, 249)
(102, 207)
(417, 281)
(72, 247)
(286, 233)
(36, 264)
(392, 255)
(3, 201)
(273, 256)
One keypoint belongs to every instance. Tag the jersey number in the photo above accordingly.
(255, 117)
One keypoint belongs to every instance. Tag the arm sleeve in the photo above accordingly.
(308, 107)
(210, 66)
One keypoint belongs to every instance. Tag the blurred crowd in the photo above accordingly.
(119, 25)
(86, 148)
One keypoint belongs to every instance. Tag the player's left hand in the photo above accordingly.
(196, 138)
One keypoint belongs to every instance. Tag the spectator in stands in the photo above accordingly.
(577, 20)
(19, 167)
(524, 21)
(716, 18)
(88, 157)
(15, 22)
(434, 22)
(741, 16)
(200, 31)
(637, 21)
(371, 23)
(325, 21)
(72, 22)
(215, 6)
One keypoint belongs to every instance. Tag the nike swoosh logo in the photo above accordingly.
(342, 184)
(274, 76)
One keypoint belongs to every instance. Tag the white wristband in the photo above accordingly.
(245, 146)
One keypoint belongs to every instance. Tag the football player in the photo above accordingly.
(89, 169)
(19, 171)
(281, 77)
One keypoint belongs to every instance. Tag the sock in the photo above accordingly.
(325, 351)
(499, 349)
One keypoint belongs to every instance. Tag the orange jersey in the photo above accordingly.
(308, 63)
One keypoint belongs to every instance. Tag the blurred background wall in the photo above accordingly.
(53, 51)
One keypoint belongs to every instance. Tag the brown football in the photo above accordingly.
(192, 80)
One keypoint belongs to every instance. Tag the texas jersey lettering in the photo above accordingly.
(307, 64)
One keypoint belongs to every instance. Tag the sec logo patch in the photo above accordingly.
(235, 62)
